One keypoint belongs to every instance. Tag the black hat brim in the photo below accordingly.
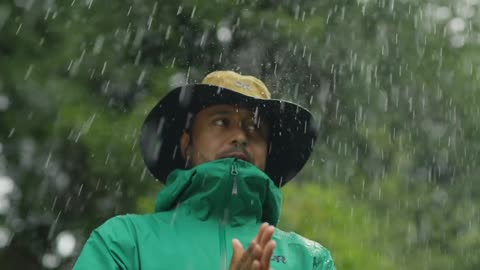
(292, 137)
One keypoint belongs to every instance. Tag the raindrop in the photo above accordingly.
(29, 71)
(65, 244)
(465, 10)
(50, 260)
(97, 47)
(89, 3)
(4, 103)
(105, 87)
(177, 79)
(224, 34)
(457, 41)
(47, 14)
(107, 158)
(5, 236)
(10, 134)
(442, 13)
(174, 216)
(27, 150)
(193, 12)
(142, 176)
(80, 190)
(4, 15)
(4, 205)
(297, 11)
(18, 29)
(457, 25)
(203, 39)
(6, 186)
(168, 32)
(141, 77)
(103, 68)
(55, 222)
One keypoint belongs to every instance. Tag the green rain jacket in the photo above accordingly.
(198, 213)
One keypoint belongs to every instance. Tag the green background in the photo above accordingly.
(393, 181)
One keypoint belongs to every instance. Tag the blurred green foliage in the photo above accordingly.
(393, 180)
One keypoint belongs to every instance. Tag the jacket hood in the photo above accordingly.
(230, 189)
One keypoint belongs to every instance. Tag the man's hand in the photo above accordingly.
(258, 254)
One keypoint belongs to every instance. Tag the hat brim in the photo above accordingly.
(292, 137)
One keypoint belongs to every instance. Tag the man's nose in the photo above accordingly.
(239, 135)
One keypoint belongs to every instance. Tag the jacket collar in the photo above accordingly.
(230, 189)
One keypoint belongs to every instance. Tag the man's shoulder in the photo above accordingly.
(129, 223)
(320, 255)
(294, 238)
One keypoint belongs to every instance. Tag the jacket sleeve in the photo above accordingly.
(111, 246)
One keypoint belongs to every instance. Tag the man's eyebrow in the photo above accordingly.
(220, 112)
(227, 112)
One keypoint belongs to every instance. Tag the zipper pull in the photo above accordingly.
(234, 169)
(234, 172)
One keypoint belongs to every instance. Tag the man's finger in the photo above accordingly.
(254, 252)
(246, 259)
(259, 252)
(267, 235)
(249, 256)
(256, 265)
(261, 230)
(238, 252)
(267, 254)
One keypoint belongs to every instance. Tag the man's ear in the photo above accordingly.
(184, 143)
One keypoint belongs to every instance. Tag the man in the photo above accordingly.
(223, 148)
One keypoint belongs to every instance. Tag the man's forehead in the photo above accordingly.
(229, 109)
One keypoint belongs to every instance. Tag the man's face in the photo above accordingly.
(222, 131)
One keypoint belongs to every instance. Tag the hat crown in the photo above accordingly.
(246, 85)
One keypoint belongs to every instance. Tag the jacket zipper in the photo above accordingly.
(234, 173)
(223, 223)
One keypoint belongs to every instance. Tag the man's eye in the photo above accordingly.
(220, 122)
(251, 127)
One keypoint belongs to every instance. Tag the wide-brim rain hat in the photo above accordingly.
(293, 130)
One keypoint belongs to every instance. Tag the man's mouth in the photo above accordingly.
(239, 155)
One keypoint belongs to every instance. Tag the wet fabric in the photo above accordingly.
(198, 213)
